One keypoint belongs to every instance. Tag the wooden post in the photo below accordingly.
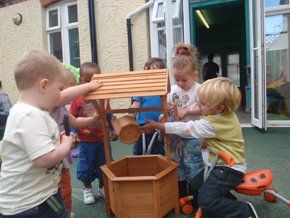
(176, 194)
(107, 195)
(167, 139)
(102, 112)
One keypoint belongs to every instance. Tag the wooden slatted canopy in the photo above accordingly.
(131, 84)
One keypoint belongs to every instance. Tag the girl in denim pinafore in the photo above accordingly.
(183, 96)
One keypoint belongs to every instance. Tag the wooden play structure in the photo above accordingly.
(136, 186)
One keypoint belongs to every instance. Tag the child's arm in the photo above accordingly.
(152, 125)
(196, 129)
(55, 156)
(72, 93)
(6, 105)
(82, 122)
(191, 110)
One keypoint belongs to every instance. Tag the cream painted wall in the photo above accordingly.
(112, 37)
(15, 40)
(112, 43)
(84, 31)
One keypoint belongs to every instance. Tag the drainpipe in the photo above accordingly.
(130, 45)
(93, 35)
(129, 30)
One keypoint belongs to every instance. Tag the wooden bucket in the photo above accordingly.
(127, 129)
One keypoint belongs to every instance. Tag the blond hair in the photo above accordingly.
(185, 55)
(37, 64)
(220, 91)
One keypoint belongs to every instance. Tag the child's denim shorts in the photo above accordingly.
(91, 157)
(188, 157)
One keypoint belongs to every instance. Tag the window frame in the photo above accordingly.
(74, 24)
(49, 9)
(156, 19)
(63, 26)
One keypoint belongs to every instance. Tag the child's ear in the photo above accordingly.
(220, 109)
(43, 84)
(195, 73)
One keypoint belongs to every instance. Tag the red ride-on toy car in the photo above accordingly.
(255, 182)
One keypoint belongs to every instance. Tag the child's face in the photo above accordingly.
(206, 109)
(87, 75)
(184, 78)
(51, 93)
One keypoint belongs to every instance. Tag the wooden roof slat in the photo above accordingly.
(141, 76)
(116, 83)
(126, 86)
(131, 84)
(132, 73)
(138, 89)
(131, 79)
(124, 95)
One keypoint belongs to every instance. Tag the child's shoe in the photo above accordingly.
(89, 196)
(72, 215)
(101, 192)
(252, 211)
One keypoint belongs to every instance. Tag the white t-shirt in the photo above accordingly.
(184, 99)
(29, 134)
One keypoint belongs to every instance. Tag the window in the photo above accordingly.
(157, 27)
(277, 65)
(233, 68)
(63, 34)
(158, 10)
(275, 3)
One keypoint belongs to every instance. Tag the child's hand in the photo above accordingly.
(204, 145)
(96, 117)
(66, 139)
(161, 118)
(113, 136)
(151, 125)
(94, 85)
(182, 112)
(75, 140)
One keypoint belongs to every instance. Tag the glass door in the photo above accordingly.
(277, 40)
(258, 89)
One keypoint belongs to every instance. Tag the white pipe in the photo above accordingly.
(141, 8)
(169, 35)
(186, 32)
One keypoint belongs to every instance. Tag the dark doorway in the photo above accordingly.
(225, 36)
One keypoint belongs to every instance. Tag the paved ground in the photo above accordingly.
(264, 150)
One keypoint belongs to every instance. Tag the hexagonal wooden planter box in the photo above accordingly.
(141, 186)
